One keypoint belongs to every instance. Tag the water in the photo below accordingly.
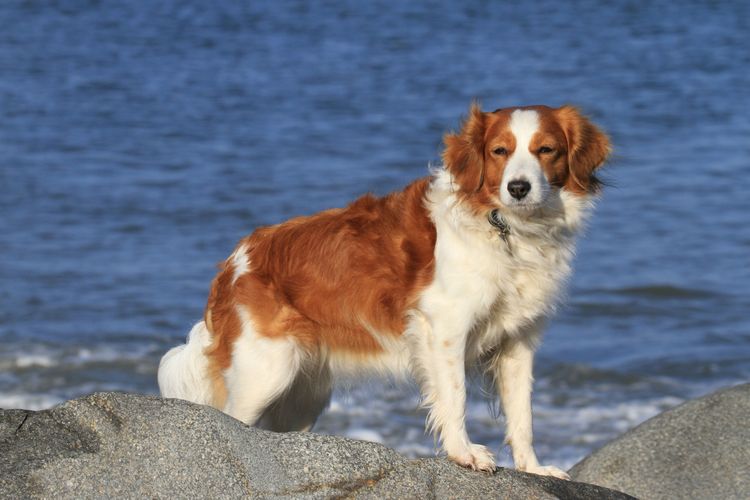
(139, 142)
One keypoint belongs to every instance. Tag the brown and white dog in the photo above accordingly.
(458, 270)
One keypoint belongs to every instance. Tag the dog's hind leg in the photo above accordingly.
(301, 405)
(262, 369)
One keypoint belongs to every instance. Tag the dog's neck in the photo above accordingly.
(497, 221)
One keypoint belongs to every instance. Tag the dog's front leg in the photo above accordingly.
(513, 375)
(439, 357)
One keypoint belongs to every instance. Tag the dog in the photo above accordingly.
(458, 270)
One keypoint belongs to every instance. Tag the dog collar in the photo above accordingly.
(498, 222)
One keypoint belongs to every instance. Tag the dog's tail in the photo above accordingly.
(183, 371)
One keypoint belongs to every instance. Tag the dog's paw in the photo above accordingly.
(547, 470)
(475, 457)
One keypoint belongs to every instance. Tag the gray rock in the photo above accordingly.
(700, 449)
(123, 445)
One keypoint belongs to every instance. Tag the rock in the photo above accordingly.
(124, 445)
(700, 449)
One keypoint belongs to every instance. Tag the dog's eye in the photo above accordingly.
(545, 150)
(500, 151)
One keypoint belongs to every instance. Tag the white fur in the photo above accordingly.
(523, 165)
(240, 262)
(183, 370)
(261, 370)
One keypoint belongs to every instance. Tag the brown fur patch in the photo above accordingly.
(325, 279)
(588, 148)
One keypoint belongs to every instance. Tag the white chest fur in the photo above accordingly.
(492, 286)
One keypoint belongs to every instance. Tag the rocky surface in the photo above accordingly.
(122, 445)
(700, 449)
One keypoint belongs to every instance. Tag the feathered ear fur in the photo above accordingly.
(588, 149)
(464, 151)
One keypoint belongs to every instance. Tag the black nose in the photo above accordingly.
(519, 189)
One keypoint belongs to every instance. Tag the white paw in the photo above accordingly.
(475, 457)
(547, 470)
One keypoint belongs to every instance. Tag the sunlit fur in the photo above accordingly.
(414, 283)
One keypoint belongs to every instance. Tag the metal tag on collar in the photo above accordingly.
(497, 221)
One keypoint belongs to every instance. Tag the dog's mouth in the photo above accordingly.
(523, 206)
(524, 199)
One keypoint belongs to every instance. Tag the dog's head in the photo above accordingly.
(519, 157)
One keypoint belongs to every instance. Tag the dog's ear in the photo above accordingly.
(588, 149)
(464, 152)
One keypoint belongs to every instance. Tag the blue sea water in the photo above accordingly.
(139, 141)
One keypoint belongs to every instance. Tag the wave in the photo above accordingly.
(660, 291)
(36, 356)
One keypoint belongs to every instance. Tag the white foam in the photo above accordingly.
(41, 356)
(31, 360)
(365, 435)
(28, 401)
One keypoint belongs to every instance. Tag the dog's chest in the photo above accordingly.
(532, 273)
(503, 282)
